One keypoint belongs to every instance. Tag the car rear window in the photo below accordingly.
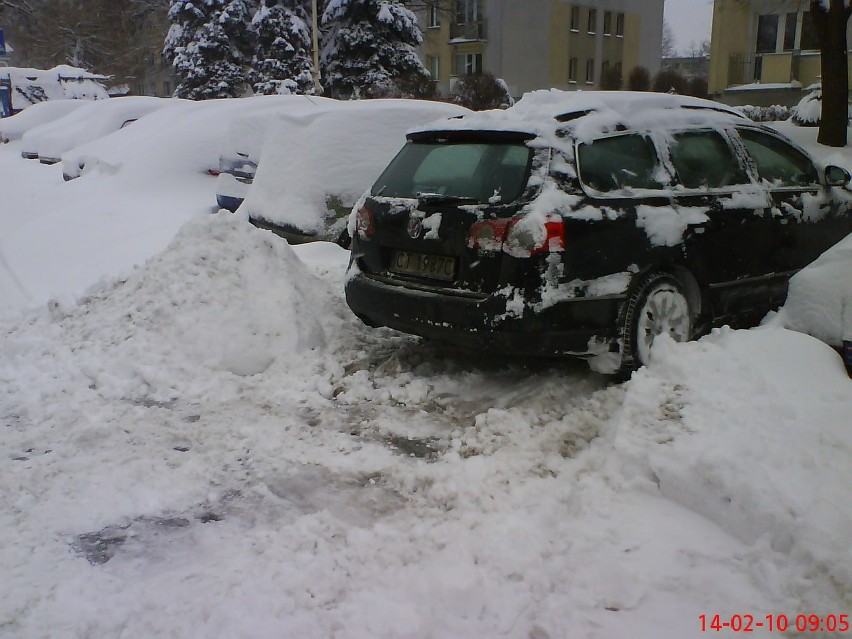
(479, 171)
(619, 163)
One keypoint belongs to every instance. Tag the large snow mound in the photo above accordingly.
(223, 296)
(750, 429)
(819, 301)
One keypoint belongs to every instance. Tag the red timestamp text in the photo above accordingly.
(774, 623)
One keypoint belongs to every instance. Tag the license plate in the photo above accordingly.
(436, 267)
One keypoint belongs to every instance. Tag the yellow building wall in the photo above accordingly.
(810, 70)
(630, 51)
(729, 37)
(560, 41)
(435, 44)
(776, 67)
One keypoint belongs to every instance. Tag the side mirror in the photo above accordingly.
(836, 176)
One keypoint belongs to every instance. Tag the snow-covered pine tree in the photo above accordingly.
(283, 61)
(207, 45)
(368, 47)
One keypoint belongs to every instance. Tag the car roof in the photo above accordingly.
(589, 114)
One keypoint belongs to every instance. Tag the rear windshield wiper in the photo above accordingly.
(440, 198)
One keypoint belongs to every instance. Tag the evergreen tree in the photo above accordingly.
(369, 45)
(206, 45)
(283, 60)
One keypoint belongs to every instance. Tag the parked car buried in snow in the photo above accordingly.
(313, 169)
(94, 120)
(588, 224)
(246, 135)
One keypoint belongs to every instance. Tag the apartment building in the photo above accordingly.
(762, 51)
(536, 44)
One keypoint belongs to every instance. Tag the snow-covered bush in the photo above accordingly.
(207, 46)
(482, 91)
(282, 61)
(369, 45)
(774, 113)
(809, 109)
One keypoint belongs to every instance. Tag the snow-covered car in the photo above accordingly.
(589, 224)
(245, 137)
(15, 127)
(94, 120)
(309, 177)
(181, 138)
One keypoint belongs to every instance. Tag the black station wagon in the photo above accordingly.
(586, 224)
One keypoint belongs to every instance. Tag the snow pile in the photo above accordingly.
(819, 301)
(223, 295)
(750, 429)
(338, 154)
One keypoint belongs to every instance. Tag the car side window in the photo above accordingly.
(777, 162)
(703, 159)
(618, 163)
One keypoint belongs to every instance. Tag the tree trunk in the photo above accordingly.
(831, 26)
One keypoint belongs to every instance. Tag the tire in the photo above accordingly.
(658, 304)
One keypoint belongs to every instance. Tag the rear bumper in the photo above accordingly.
(228, 202)
(582, 326)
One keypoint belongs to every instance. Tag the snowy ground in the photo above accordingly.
(210, 445)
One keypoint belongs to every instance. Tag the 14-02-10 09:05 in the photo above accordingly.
(781, 623)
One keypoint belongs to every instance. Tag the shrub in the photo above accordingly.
(481, 91)
(639, 79)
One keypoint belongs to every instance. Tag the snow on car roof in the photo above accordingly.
(592, 113)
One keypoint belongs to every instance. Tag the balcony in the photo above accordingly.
(468, 31)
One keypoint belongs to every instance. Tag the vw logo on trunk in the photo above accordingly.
(415, 227)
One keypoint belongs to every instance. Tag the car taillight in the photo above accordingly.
(531, 234)
(488, 235)
(364, 222)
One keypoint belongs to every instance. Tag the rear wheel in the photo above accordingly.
(658, 305)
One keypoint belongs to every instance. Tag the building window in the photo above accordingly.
(593, 18)
(575, 18)
(809, 39)
(767, 33)
(572, 70)
(469, 64)
(607, 27)
(468, 11)
(590, 71)
(790, 31)
(434, 15)
(433, 62)
(619, 25)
